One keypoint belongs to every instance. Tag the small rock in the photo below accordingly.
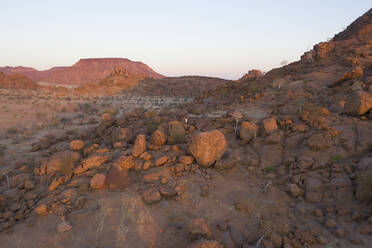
(152, 196)
(198, 229)
(270, 125)
(125, 162)
(41, 210)
(318, 212)
(139, 146)
(295, 190)
(222, 225)
(206, 244)
(161, 161)
(319, 142)
(364, 228)
(340, 233)
(158, 138)
(186, 160)
(54, 185)
(64, 227)
(29, 184)
(98, 181)
(322, 240)
(277, 240)
(76, 145)
(248, 131)
(330, 223)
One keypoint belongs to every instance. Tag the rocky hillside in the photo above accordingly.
(187, 86)
(16, 82)
(282, 160)
(85, 71)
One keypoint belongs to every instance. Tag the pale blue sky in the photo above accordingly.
(190, 37)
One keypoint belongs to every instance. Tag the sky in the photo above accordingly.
(217, 38)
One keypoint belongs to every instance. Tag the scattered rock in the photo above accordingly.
(76, 145)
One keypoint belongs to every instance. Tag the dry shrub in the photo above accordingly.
(364, 185)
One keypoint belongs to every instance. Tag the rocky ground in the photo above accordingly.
(276, 160)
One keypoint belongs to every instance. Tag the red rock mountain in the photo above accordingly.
(85, 71)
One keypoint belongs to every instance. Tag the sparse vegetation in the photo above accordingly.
(364, 181)
(270, 169)
(12, 130)
(2, 149)
(337, 158)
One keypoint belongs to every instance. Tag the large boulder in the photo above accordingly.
(359, 103)
(207, 147)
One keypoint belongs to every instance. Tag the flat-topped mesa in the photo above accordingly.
(103, 61)
(85, 71)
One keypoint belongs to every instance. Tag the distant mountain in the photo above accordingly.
(85, 71)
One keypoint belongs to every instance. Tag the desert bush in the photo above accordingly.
(337, 158)
(2, 149)
(12, 130)
(56, 121)
(364, 185)
(67, 167)
(270, 169)
(176, 133)
(152, 124)
(300, 102)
